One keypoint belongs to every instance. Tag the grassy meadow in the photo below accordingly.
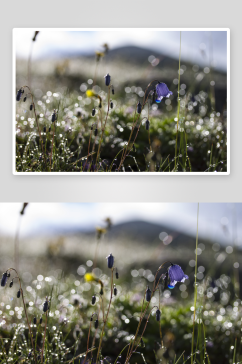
(69, 303)
(70, 118)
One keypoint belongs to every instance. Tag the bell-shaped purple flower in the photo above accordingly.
(110, 259)
(176, 274)
(107, 79)
(162, 91)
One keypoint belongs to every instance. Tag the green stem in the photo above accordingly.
(178, 98)
(195, 289)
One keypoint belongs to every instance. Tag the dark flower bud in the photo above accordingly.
(147, 125)
(96, 324)
(19, 353)
(139, 107)
(35, 320)
(148, 294)
(53, 117)
(19, 94)
(157, 315)
(111, 105)
(4, 279)
(93, 300)
(18, 293)
(25, 98)
(49, 129)
(110, 259)
(38, 357)
(40, 321)
(115, 291)
(31, 107)
(30, 354)
(93, 112)
(95, 132)
(117, 276)
(45, 306)
(112, 90)
(11, 284)
(101, 292)
(107, 79)
(78, 114)
(44, 129)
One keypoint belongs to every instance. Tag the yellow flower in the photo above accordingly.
(90, 93)
(89, 277)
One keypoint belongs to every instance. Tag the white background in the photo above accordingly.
(119, 188)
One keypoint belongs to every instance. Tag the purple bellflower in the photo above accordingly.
(162, 91)
(176, 274)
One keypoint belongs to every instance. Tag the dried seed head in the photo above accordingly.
(18, 293)
(4, 279)
(115, 291)
(11, 284)
(111, 105)
(93, 112)
(107, 79)
(25, 98)
(139, 107)
(31, 107)
(93, 300)
(148, 294)
(117, 275)
(96, 324)
(110, 259)
(112, 90)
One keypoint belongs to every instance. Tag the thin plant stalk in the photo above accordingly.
(195, 289)
(178, 99)
(103, 128)
(25, 310)
(16, 244)
(52, 144)
(106, 318)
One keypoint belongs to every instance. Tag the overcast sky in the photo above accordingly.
(50, 218)
(197, 46)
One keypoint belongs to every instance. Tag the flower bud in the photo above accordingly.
(49, 129)
(110, 259)
(157, 315)
(19, 94)
(4, 279)
(93, 112)
(31, 107)
(25, 98)
(96, 324)
(35, 321)
(112, 90)
(18, 293)
(107, 79)
(11, 284)
(111, 105)
(139, 107)
(147, 125)
(53, 117)
(91, 319)
(40, 320)
(117, 276)
(45, 306)
(44, 129)
(148, 294)
(95, 132)
(115, 291)
(93, 300)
